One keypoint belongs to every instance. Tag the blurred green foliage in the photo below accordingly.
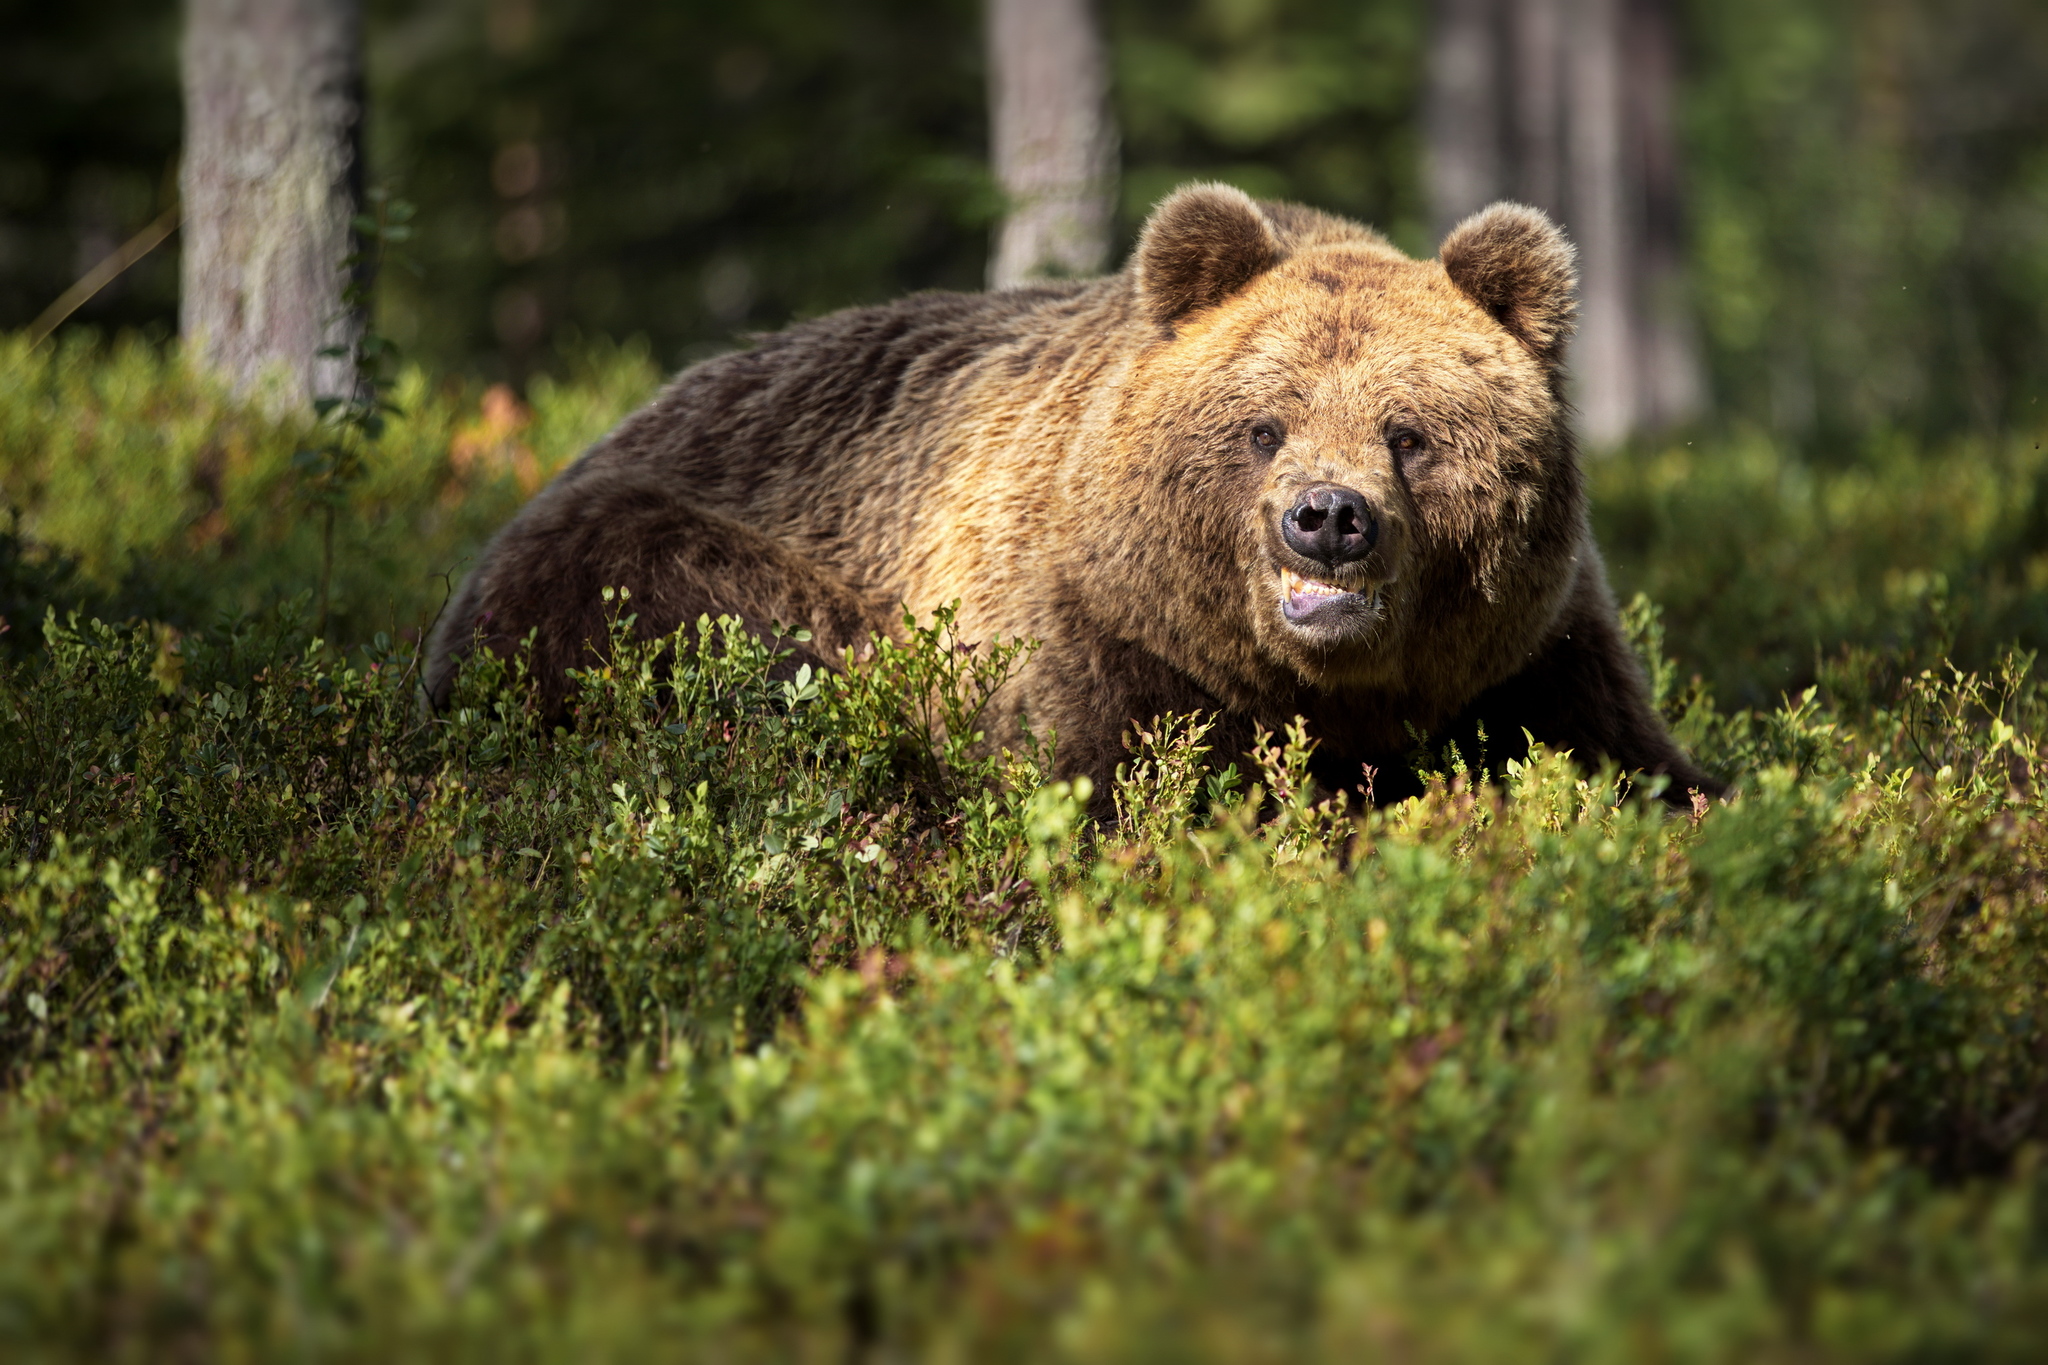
(1287, 99)
(1869, 213)
(692, 171)
(138, 488)
(683, 171)
(1767, 558)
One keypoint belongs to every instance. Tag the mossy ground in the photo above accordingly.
(749, 1020)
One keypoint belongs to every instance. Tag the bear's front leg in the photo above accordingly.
(1585, 692)
(1092, 695)
(617, 526)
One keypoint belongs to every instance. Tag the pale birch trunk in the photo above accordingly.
(1462, 113)
(1603, 355)
(1575, 98)
(1537, 33)
(271, 180)
(1054, 140)
(1668, 366)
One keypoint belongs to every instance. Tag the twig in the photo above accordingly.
(104, 274)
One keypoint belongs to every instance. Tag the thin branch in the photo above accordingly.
(104, 274)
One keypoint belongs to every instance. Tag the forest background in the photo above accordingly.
(1863, 185)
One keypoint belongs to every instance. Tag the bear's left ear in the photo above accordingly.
(1201, 245)
(1512, 261)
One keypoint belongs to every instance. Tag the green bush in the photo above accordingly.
(768, 1016)
(1766, 561)
(138, 488)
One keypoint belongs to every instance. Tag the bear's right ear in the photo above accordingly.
(1512, 261)
(1201, 245)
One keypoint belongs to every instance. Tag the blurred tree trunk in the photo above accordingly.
(1462, 116)
(1672, 381)
(1054, 139)
(271, 181)
(1595, 187)
(1567, 104)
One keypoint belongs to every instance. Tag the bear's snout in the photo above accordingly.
(1331, 524)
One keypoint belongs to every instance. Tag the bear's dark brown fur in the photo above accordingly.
(1104, 467)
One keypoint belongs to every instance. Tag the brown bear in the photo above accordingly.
(1275, 467)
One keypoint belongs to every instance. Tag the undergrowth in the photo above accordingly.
(762, 1015)
(753, 1012)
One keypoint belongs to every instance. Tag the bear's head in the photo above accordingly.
(1352, 469)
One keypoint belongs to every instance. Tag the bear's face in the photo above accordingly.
(1361, 458)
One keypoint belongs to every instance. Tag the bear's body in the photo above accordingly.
(1275, 467)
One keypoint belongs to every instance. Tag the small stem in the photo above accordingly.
(326, 565)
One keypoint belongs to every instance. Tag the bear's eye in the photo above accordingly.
(1266, 436)
(1403, 441)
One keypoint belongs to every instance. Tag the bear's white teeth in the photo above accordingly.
(1303, 600)
(1297, 586)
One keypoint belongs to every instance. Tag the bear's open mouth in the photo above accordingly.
(1303, 598)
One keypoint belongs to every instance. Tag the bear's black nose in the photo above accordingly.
(1330, 523)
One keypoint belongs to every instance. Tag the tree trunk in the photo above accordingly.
(1595, 200)
(271, 180)
(1462, 112)
(1054, 139)
(1567, 105)
(1668, 369)
(1537, 34)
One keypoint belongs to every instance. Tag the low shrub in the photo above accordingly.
(760, 1015)
(747, 1014)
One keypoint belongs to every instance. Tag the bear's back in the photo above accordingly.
(803, 404)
